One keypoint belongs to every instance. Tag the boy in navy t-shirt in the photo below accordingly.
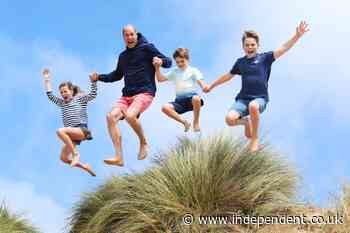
(255, 69)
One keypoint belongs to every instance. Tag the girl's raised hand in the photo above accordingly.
(93, 77)
(46, 74)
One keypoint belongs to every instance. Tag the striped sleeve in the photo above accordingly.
(59, 102)
(92, 95)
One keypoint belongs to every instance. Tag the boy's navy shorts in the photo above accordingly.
(184, 104)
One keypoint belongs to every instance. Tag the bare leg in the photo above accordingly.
(233, 119)
(131, 118)
(168, 109)
(246, 122)
(255, 115)
(67, 134)
(196, 102)
(65, 158)
(112, 123)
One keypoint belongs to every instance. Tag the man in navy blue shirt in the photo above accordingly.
(135, 65)
(255, 69)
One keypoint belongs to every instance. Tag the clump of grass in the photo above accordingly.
(341, 209)
(210, 176)
(10, 223)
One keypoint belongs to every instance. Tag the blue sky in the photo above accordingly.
(307, 118)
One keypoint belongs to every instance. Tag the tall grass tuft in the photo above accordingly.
(12, 223)
(214, 176)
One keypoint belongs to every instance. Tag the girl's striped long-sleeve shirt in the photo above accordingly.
(74, 112)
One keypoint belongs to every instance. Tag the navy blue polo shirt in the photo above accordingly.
(255, 73)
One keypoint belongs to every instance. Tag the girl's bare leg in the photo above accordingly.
(65, 158)
(254, 115)
(196, 102)
(113, 118)
(67, 134)
(168, 109)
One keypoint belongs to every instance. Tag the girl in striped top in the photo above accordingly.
(73, 106)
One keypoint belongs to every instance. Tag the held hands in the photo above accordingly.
(207, 88)
(157, 62)
(302, 29)
(46, 74)
(93, 77)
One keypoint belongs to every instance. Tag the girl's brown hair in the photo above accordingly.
(182, 53)
(76, 89)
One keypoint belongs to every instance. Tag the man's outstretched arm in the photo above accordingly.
(115, 75)
(166, 61)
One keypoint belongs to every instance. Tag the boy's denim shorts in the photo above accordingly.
(242, 106)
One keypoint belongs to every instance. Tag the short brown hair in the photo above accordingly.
(182, 53)
(250, 34)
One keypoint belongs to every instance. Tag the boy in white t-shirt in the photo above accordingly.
(187, 99)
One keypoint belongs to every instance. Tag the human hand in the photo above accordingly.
(93, 77)
(157, 62)
(302, 29)
(206, 88)
(46, 74)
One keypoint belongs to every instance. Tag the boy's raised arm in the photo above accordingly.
(300, 31)
(160, 77)
(224, 78)
(201, 84)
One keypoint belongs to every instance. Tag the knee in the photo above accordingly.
(130, 116)
(64, 159)
(166, 108)
(253, 107)
(231, 119)
(112, 117)
(196, 99)
(60, 132)
(109, 117)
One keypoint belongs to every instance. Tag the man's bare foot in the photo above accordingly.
(247, 128)
(187, 126)
(117, 161)
(196, 127)
(75, 159)
(254, 144)
(143, 151)
(87, 168)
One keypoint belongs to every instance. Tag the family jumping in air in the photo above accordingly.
(139, 65)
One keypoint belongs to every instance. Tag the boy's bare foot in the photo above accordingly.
(87, 168)
(254, 144)
(143, 151)
(247, 128)
(75, 159)
(196, 127)
(117, 161)
(187, 126)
